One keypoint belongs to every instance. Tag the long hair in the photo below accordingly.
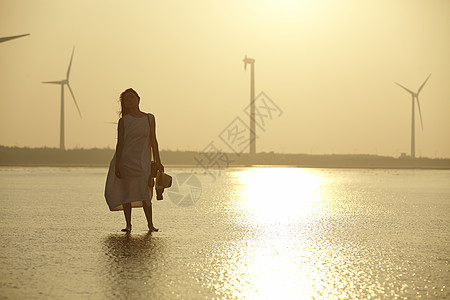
(123, 110)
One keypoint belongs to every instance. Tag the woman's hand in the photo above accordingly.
(159, 166)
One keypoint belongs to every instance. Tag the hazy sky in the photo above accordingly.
(329, 65)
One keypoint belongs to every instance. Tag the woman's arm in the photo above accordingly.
(119, 146)
(154, 144)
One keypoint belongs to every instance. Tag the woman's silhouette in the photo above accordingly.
(129, 170)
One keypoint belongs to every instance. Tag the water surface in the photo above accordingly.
(254, 233)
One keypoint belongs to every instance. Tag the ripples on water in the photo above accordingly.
(255, 233)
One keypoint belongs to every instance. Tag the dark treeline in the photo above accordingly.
(16, 156)
(10, 156)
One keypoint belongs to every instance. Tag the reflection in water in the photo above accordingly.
(299, 240)
(269, 260)
(131, 261)
(257, 233)
(278, 195)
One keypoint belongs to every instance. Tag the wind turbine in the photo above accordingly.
(415, 96)
(251, 61)
(4, 39)
(62, 83)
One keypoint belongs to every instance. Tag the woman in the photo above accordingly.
(129, 171)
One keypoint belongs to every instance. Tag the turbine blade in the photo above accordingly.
(4, 39)
(423, 84)
(74, 100)
(70, 64)
(408, 90)
(420, 113)
(53, 82)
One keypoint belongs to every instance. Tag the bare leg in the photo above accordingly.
(148, 214)
(127, 213)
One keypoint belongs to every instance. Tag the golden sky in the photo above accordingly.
(329, 65)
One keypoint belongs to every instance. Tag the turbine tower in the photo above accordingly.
(4, 39)
(251, 61)
(62, 83)
(415, 96)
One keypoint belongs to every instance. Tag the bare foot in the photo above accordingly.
(153, 229)
(127, 229)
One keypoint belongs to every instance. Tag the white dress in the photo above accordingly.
(134, 166)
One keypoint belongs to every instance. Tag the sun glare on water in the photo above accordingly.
(279, 195)
(272, 261)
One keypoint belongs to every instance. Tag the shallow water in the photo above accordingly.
(252, 233)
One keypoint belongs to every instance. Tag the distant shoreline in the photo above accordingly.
(100, 158)
(232, 166)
